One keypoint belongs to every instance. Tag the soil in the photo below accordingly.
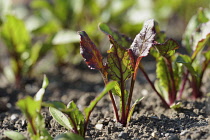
(150, 120)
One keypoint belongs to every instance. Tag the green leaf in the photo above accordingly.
(40, 127)
(45, 82)
(144, 40)
(68, 136)
(176, 106)
(168, 48)
(90, 53)
(60, 118)
(93, 103)
(76, 117)
(121, 39)
(186, 61)
(207, 55)
(56, 104)
(15, 35)
(200, 38)
(195, 21)
(65, 37)
(119, 64)
(29, 107)
(14, 135)
(116, 90)
(132, 109)
(40, 93)
(163, 75)
(160, 35)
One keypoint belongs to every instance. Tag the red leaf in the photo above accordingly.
(90, 53)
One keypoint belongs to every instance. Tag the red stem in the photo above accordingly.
(172, 94)
(183, 85)
(132, 85)
(111, 97)
(153, 87)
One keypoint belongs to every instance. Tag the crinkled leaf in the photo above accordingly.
(116, 90)
(195, 21)
(119, 65)
(200, 38)
(144, 40)
(121, 39)
(76, 116)
(168, 48)
(14, 135)
(93, 103)
(132, 109)
(90, 53)
(68, 136)
(186, 61)
(60, 118)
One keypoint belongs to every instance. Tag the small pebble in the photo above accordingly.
(155, 134)
(123, 135)
(183, 132)
(14, 117)
(99, 126)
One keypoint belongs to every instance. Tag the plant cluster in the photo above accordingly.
(68, 116)
(119, 70)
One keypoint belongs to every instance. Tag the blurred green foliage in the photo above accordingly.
(52, 25)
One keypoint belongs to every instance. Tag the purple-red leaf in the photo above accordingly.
(90, 53)
(144, 40)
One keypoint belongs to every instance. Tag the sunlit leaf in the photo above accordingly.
(207, 55)
(65, 37)
(90, 53)
(176, 106)
(195, 21)
(132, 108)
(118, 60)
(76, 116)
(14, 135)
(60, 118)
(121, 39)
(168, 48)
(116, 90)
(144, 40)
(200, 38)
(186, 61)
(163, 74)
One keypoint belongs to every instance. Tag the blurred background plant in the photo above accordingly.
(45, 30)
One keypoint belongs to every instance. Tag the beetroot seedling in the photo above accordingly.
(123, 59)
(71, 117)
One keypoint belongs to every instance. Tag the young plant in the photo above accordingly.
(23, 54)
(172, 77)
(122, 64)
(31, 108)
(195, 39)
(71, 117)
